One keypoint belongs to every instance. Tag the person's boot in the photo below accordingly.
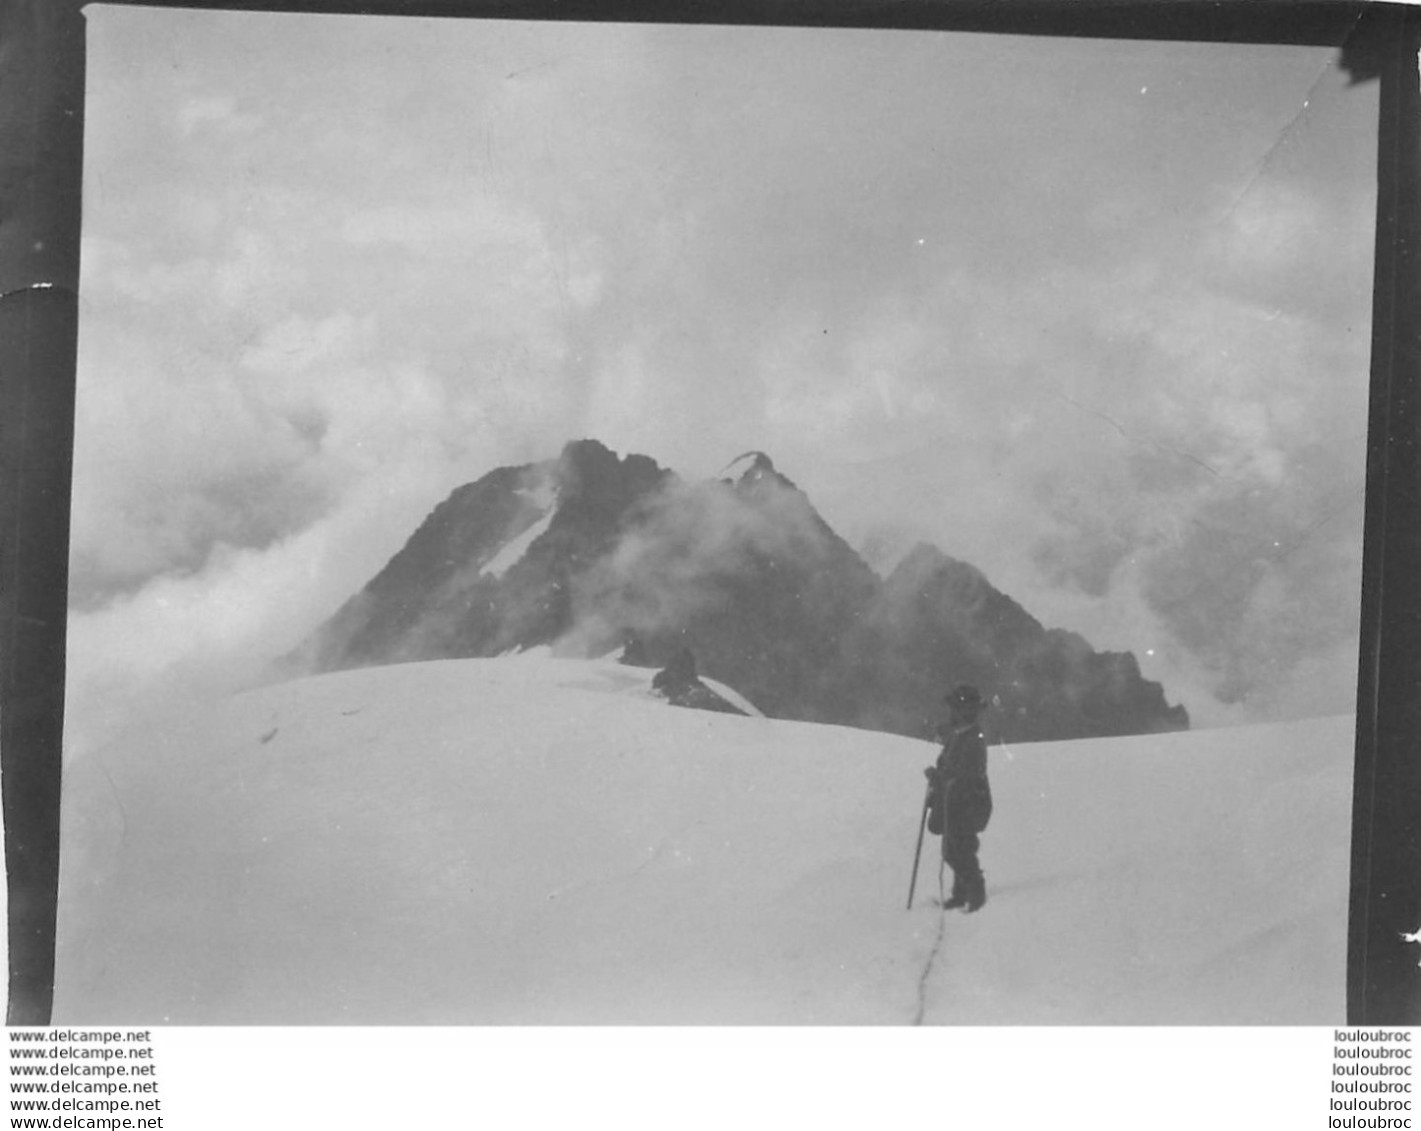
(976, 895)
(958, 898)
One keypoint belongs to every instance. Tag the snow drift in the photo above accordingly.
(537, 841)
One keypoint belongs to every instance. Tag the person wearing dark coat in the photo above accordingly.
(960, 803)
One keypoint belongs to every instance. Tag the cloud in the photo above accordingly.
(672, 564)
(215, 629)
(217, 112)
(1144, 440)
(425, 229)
(1079, 339)
(1269, 230)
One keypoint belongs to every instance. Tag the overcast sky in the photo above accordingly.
(1092, 316)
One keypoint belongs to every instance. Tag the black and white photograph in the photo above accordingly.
(655, 524)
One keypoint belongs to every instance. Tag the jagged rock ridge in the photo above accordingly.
(591, 552)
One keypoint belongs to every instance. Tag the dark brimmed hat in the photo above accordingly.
(964, 695)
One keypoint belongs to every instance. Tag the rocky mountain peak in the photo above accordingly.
(588, 469)
(757, 473)
(584, 552)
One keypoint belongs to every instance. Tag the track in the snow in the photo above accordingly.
(928, 968)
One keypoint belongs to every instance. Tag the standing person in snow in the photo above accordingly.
(961, 799)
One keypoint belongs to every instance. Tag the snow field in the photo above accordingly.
(530, 841)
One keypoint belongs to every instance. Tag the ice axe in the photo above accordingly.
(918, 853)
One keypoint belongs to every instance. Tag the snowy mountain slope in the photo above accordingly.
(529, 840)
(512, 553)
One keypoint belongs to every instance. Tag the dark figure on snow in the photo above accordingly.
(680, 686)
(634, 652)
(960, 803)
(678, 675)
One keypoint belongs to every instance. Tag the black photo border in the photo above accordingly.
(42, 75)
